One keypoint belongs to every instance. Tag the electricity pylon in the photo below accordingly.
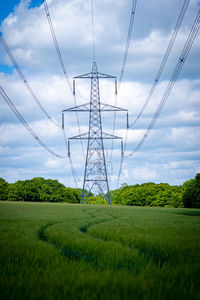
(95, 175)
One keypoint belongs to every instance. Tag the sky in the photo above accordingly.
(171, 153)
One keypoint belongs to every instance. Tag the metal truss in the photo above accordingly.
(95, 175)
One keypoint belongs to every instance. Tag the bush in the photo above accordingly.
(191, 192)
(3, 190)
(95, 200)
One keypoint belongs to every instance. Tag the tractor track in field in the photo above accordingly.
(77, 255)
(157, 257)
(73, 254)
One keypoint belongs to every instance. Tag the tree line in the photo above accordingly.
(147, 194)
(38, 189)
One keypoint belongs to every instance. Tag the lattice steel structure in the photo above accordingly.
(95, 175)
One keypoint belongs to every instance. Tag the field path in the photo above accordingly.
(77, 243)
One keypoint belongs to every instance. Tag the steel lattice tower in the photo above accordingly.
(95, 175)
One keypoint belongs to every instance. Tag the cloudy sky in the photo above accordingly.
(171, 153)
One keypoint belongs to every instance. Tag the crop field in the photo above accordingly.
(62, 251)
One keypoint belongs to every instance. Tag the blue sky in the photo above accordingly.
(8, 6)
(170, 154)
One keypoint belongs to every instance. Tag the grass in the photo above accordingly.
(62, 251)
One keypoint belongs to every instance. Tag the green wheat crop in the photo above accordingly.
(62, 251)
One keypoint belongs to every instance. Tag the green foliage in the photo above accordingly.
(3, 190)
(197, 191)
(64, 251)
(16, 191)
(38, 190)
(148, 194)
(191, 192)
(95, 200)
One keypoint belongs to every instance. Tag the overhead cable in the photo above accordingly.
(158, 75)
(62, 63)
(33, 134)
(25, 124)
(74, 174)
(127, 42)
(21, 74)
(130, 29)
(177, 70)
(56, 44)
(164, 60)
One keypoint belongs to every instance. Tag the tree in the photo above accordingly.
(3, 189)
(189, 193)
(16, 191)
(95, 200)
(146, 194)
(77, 193)
(197, 191)
(41, 190)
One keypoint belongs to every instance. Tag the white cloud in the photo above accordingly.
(174, 141)
(144, 174)
(178, 164)
(53, 163)
(185, 136)
(153, 45)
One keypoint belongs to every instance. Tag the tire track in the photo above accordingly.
(158, 257)
(134, 260)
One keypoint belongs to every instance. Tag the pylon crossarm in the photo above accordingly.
(97, 75)
(107, 136)
(83, 107)
(91, 180)
(87, 75)
(101, 75)
(107, 107)
(85, 136)
(86, 108)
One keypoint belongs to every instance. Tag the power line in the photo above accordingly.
(56, 44)
(74, 174)
(4, 95)
(127, 42)
(25, 124)
(177, 70)
(164, 60)
(62, 63)
(130, 29)
(23, 78)
(170, 86)
(158, 75)
(34, 135)
(122, 158)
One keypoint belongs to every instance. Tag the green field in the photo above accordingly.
(63, 251)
